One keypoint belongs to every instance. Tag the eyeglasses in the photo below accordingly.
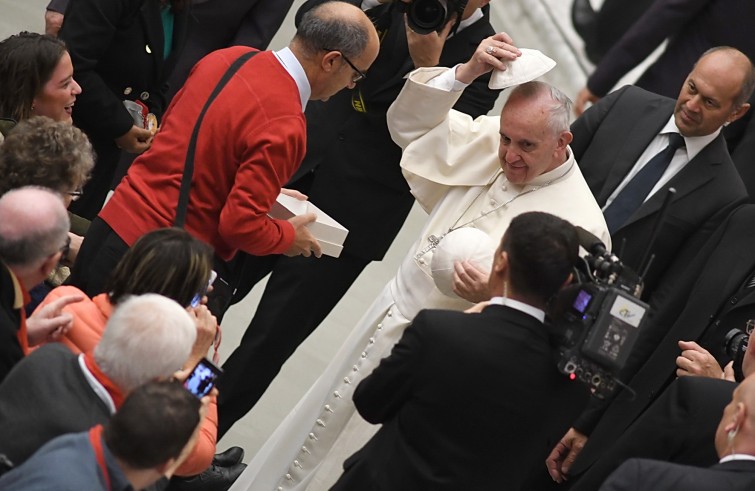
(360, 75)
(75, 195)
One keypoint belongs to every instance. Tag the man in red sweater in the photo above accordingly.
(251, 141)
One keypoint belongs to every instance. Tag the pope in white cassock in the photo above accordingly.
(466, 174)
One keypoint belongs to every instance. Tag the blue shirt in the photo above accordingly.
(66, 463)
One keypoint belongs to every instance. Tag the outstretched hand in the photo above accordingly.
(425, 49)
(493, 52)
(584, 97)
(49, 323)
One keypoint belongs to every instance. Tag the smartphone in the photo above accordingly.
(202, 379)
(198, 297)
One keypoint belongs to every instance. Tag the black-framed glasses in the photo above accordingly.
(360, 75)
(75, 195)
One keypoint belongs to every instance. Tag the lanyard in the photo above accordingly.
(95, 438)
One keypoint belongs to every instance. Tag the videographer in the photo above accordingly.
(714, 297)
(445, 427)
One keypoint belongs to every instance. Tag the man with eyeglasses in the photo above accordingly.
(33, 237)
(351, 172)
(251, 141)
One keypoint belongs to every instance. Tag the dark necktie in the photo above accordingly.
(634, 193)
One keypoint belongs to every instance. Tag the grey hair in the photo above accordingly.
(24, 245)
(146, 338)
(748, 84)
(558, 121)
(319, 29)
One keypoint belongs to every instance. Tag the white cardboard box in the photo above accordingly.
(328, 232)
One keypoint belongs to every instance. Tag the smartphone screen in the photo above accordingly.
(202, 379)
(197, 300)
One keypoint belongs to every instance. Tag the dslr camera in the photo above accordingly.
(426, 16)
(735, 347)
(597, 319)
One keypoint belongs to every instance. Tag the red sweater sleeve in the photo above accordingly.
(244, 223)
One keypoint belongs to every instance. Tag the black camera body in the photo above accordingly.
(426, 16)
(597, 320)
(735, 347)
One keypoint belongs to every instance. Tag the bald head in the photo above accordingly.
(714, 93)
(337, 26)
(33, 226)
(737, 65)
(736, 431)
(335, 43)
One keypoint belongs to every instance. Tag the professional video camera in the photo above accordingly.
(426, 16)
(597, 319)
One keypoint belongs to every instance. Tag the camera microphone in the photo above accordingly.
(590, 242)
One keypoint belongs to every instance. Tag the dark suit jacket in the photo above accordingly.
(692, 26)
(117, 52)
(706, 304)
(608, 140)
(351, 169)
(636, 474)
(10, 322)
(217, 24)
(462, 399)
(678, 427)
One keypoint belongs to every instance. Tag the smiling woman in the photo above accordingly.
(37, 78)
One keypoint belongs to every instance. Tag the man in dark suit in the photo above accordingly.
(459, 389)
(351, 171)
(715, 295)
(618, 141)
(612, 139)
(213, 24)
(217, 24)
(692, 26)
(735, 445)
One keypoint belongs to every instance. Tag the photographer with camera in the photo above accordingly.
(706, 317)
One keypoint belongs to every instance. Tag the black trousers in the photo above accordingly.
(300, 293)
(102, 249)
(100, 253)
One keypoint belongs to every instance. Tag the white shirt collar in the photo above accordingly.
(96, 386)
(291, 64)
(520, 306)
(476, 15)
(693, 144)
(736, 456)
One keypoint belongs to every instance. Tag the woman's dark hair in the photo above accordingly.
(27, 61)
(167, 261)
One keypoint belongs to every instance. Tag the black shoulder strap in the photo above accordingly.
(183, 196)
